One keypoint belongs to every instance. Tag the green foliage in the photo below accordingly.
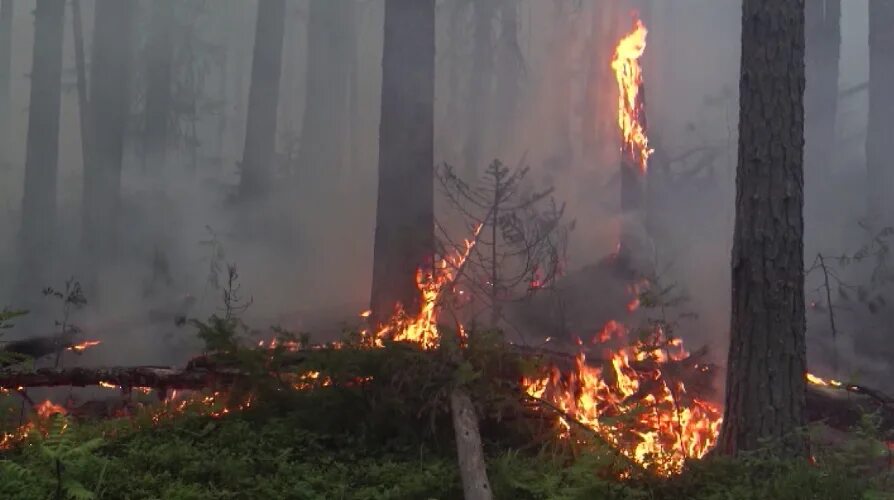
(53, 463)
(7, 315)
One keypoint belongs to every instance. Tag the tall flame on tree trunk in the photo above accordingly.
(631, 106)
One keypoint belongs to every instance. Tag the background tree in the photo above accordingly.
(109, 110)
(263, 100)
(765, 387)
(6, 12)
(880, 134)
(823, 35)
(404, 238)
(481, 83)
(159, 101)
(38, 228)
(330, 64)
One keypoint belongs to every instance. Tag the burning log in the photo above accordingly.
(162, 378)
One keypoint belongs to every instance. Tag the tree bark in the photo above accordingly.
(109, 110)
(159, 100)
(470, 452)
(42, 149)
(765, 388)
(263, 100)
(6, 13)
(404, 238)
(881, 110)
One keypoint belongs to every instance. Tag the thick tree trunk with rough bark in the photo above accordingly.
(881, 110)
(404, 238)
(6, 13)
(263, 100)
(765, 388)
(327, 117)
(109, 110)
(159, 100)
(42, 149)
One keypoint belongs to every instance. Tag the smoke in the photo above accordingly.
(304, 253)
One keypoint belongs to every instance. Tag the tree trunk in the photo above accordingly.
(823, 34)
(472, 468)
(404, 237)
(510, 73)
(331, 51)
(765, 388)
(159, 101)
(109, 109)
(881, 110)
(42, 150)
(480, 85)
(81, 76)
(263, 100)
(6, 13)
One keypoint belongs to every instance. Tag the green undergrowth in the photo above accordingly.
(260, 454)
(380, 428)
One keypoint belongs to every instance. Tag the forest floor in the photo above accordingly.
(275, 454)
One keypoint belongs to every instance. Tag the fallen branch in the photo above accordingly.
(125, 377)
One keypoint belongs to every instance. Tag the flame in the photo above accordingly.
(636, 409)
(83, 346)
(46, 409)
(813, 379)
(423, 328)
(629, 75)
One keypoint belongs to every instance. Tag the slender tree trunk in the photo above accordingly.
(159, 101)
(510, 72)
(480, 85)
(331, 52)
(109, 110)
(823, 34)
(469, 450)
(263, 100)
(765, 387)
(404, 237)
(881, 110)
(42, 150)
(6, 13)
(81, 75)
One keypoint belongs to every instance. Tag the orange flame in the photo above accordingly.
(423, 329)
(647, 417)
(629, 75)
(83, 346)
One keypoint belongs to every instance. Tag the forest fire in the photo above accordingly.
(423, 329)
(83, 346)
(629, 75)
(630, 404)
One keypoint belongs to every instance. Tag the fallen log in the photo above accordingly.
(125, 377)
